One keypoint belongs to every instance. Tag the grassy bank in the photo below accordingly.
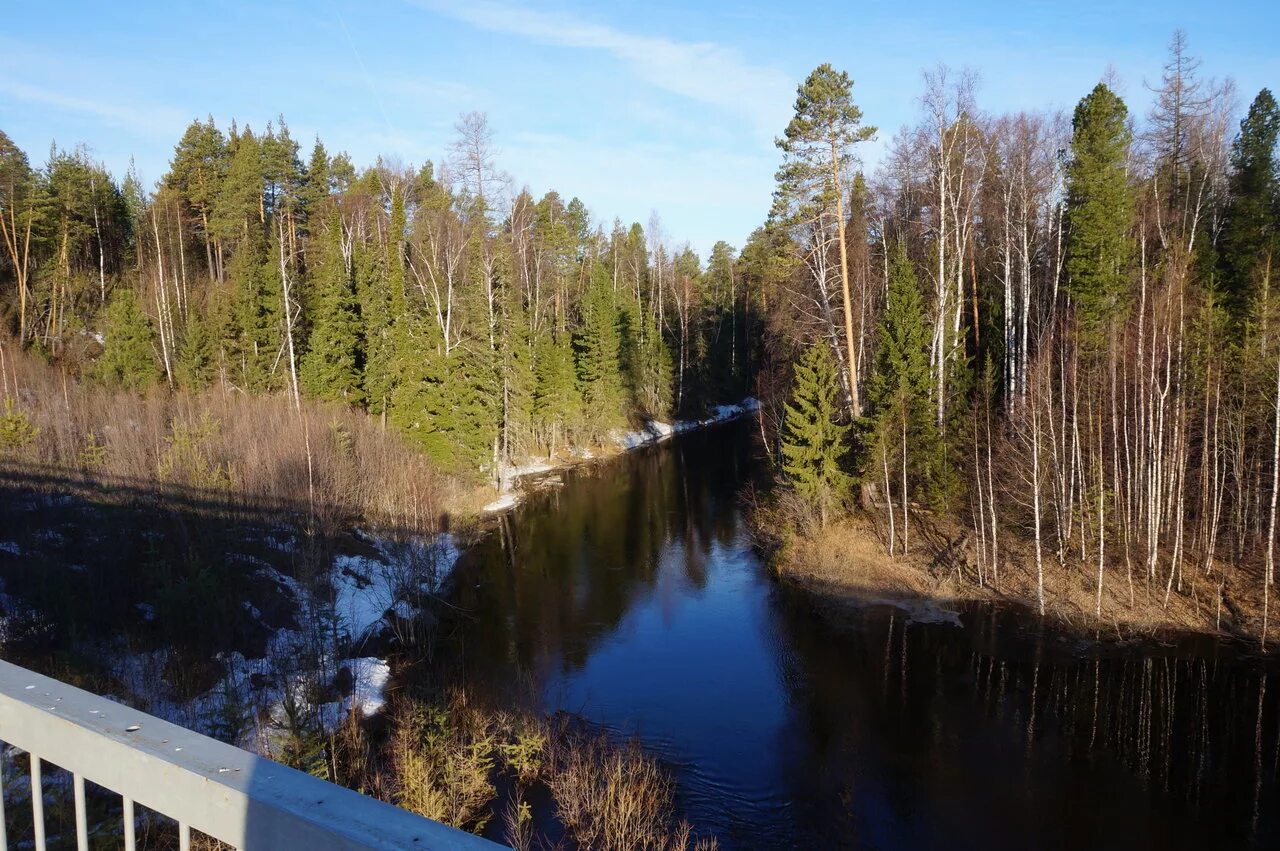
(846, 565)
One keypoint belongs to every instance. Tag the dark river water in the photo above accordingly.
(632, 596)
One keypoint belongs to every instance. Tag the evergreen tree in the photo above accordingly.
(557, 404)
(516, 354)
(814, 443)
(902, 421)
(1251, 232)
(1099, 210)
(331, 365)
(812, 182)
(239, 202)
(197, 172)
(197, 362)
(256, 311)
(129, 359)
(443, 403)
(598, 346)
(316, 185)
(384, 305)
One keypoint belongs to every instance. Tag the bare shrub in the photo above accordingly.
(614, 798)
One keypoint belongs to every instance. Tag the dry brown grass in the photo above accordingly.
(448, 761)
(615, 798)
(847, 563)
(260, 448)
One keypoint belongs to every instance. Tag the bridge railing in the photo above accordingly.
(205, 785)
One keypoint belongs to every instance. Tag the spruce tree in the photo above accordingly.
(330, 367)
(516, 355)
(443, 403)
(384, 305)
(814, 443)
(902, 422)
(598, 345)
(256, 313)
(557, 404)
(1251, 232)
(197, 362)
(1099, 210)
(129, 360)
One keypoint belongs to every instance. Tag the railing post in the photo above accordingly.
(4, 836)
(130, 840)
(37, 801)
(82, 816)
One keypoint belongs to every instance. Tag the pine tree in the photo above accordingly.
(818, 145)
(331, 365)
(197, 172)
(129, 360)
(1251, 233)
(1099, 210)
(239, 201)
(814, 443)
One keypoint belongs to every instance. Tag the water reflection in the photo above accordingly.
(631, 596)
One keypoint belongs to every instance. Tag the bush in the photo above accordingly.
(17, 432)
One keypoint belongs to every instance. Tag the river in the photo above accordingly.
(632, 596)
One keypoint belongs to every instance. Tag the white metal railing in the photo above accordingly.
(203, 784)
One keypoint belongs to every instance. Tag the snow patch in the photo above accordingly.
(653, 431)
(366, 588)
(10, 547)
(502, 503)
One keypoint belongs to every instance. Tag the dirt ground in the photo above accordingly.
(847, 564)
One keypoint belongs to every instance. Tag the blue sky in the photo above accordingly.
(633, 106)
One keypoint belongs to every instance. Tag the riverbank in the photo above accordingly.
(845, 567)
(648, 433)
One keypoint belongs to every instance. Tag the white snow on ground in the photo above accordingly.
(11, 548)
(509, 475)
(504, 501)
(365, 589)
(370, 693)
(653, 431)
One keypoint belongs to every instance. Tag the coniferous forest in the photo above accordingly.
(481, 323)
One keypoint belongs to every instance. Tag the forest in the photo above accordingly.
(1028, 357)
(482, 324)
(1043, 329)
(1054, 332)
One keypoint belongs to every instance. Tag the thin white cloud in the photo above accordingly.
(143, 120)
(702, 71)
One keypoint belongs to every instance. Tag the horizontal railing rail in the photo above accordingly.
(205, 785)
